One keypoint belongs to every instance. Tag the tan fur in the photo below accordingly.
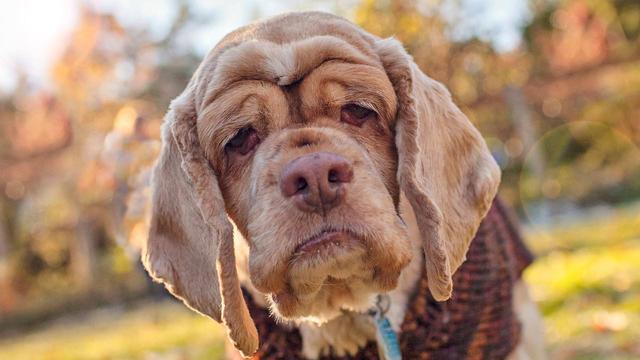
(444, 167)
(190, 245)
(423, 179)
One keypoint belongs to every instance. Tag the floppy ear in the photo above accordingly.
(190, 244)
(444, 166)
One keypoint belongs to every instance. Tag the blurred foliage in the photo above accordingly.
(560, 112)
(579, 62)
(73, 155)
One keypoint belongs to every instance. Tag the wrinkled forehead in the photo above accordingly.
(282, 50)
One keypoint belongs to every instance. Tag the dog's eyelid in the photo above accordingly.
(234, 125)
(244, 141)
(366, 105)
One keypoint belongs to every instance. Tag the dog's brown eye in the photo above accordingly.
(244, 142)
(355, 114)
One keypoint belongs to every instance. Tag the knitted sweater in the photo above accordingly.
(476, 323)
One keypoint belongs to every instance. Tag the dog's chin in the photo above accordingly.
(331, 273)
(334, 297)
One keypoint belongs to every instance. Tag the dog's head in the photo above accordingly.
(305, 131)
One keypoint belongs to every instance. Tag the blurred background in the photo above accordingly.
(554, 86)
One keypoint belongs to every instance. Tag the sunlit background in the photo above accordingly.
(554, 86)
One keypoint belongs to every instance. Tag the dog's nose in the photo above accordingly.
(316, 181)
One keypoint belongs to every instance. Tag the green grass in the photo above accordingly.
(586, 281)
(587, 284)
(616, 227)
(165, 330)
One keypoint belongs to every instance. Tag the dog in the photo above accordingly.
(311, 169)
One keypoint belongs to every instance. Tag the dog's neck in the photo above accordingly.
(350, 331)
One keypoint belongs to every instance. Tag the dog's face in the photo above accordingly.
(308, 173)
(306, 139)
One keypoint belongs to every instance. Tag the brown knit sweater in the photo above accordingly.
(476, 323)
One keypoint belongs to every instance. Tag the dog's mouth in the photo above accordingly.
(327, 241)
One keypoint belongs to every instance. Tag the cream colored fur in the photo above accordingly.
(423, 181)
(347, 333)
(531, 346)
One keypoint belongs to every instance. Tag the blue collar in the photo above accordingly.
(388, 346)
